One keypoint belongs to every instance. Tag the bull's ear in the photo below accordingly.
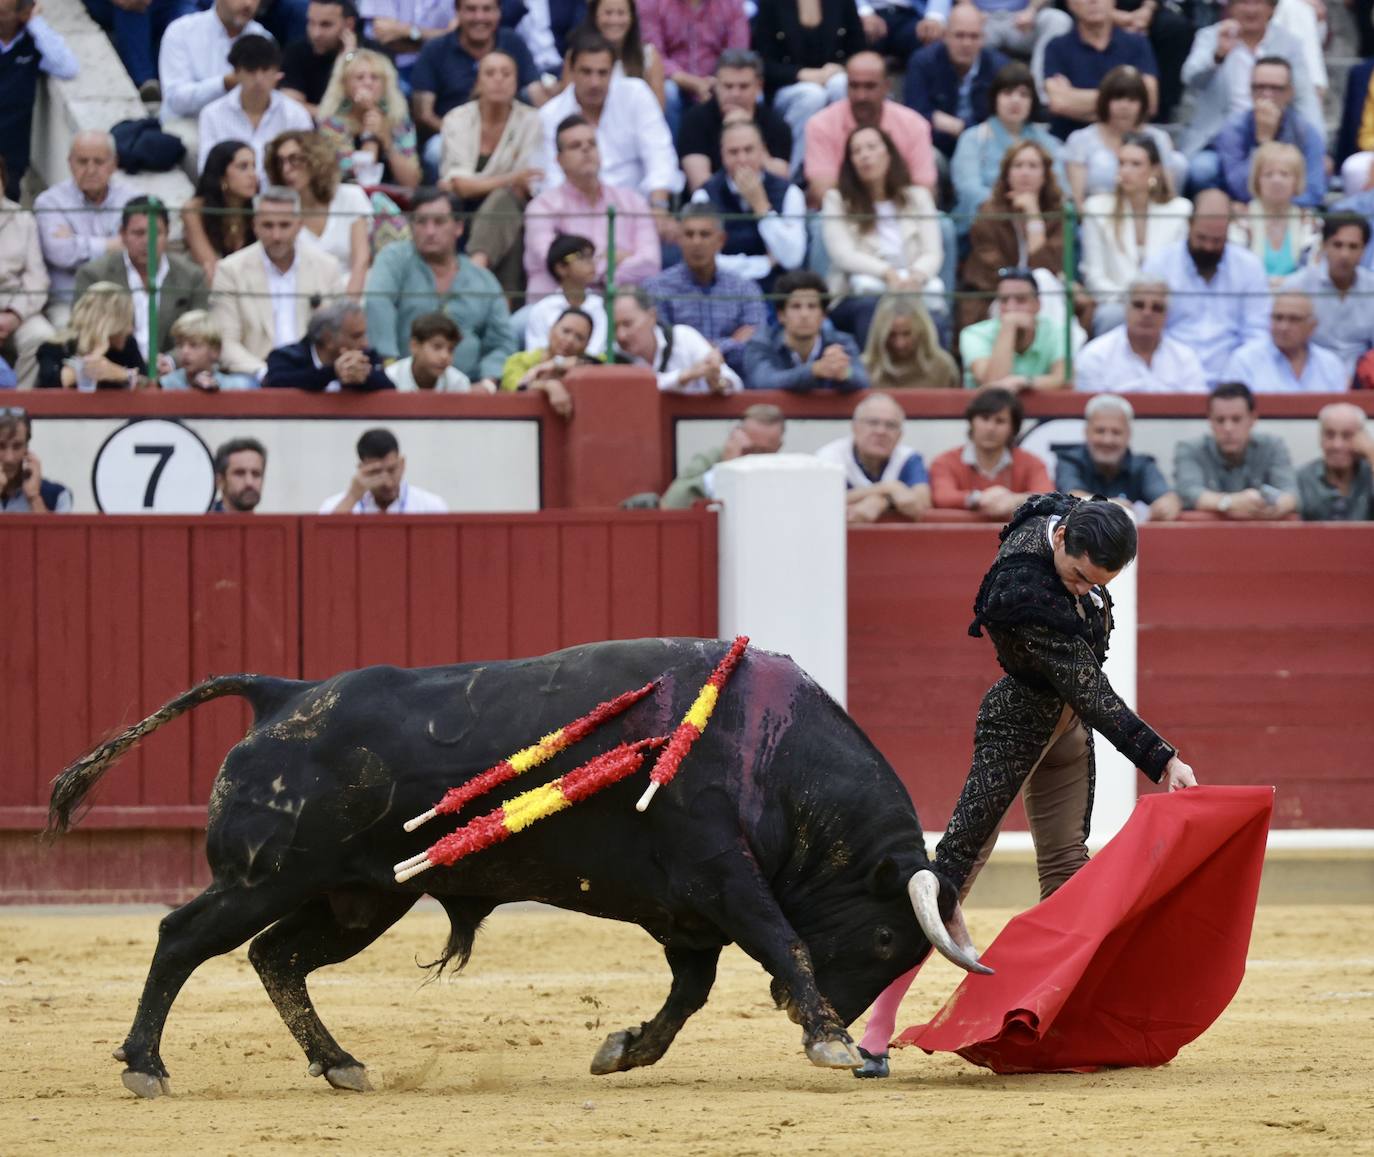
(885, 879)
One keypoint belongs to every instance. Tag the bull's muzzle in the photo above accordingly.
(950, 940)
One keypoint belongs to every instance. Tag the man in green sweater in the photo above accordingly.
(760, 431)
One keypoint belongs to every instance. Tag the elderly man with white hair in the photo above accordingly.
(1339, 486)
(79, 218)
(1104, 463)
(1287, 360)
(881, 473)
(1140, 357)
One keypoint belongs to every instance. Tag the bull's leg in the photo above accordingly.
(694, 971)
(317, 934)
(215, 922)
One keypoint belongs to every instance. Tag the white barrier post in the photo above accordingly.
(782, 560)
(1116, 777)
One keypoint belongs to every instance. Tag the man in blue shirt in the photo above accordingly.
(1105, 464)
(804, 352)
(1287, 360)
(23, 489)
(881, 474)
(948, 82)
(1074, 64)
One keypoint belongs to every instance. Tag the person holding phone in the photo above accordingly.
(23, 489)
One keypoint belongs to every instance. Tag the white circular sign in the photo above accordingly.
(153, 466)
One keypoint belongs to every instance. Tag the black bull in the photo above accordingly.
(785, 832)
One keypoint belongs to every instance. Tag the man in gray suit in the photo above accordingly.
(179, 284)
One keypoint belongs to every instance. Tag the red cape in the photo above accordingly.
(1130, 960)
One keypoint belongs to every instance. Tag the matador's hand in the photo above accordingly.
(1178, 774)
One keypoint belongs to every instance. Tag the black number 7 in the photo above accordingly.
(164, 455)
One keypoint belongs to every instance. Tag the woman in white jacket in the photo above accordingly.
(1121, 229)
(882, 233)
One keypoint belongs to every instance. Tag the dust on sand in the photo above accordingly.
(496, 1061)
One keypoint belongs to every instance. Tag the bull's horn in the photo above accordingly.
(924, 890)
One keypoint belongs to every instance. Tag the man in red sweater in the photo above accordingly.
(988, 474)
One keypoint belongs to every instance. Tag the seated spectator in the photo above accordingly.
(633, 143)
(881, 472)
(1018, 226)
(572, 264)
(1019, 349)
(764, 216)
(636, 56)
(331, 28)
(866, 106)
(404, 27)
(737, 95)
(759, 431)
(1140, 357)
(23, 489)
(240, 468)
(253, 111)
(681, 358)
(578, 205)
(198, 346)
(1090, 153)
(96, 350)
(1075, 65)
(988, 474)
(690, 35)
(449, 69)
(1341, 290)
(1220, 293)
(949, 81)
(1104, 463)
(261, 297)
(1273, 228)
(363, 117)
(218, 219)
(136, 33)
(903, 350)
(335, 214)
(545, 368)
(23, 289)
(492, 160)
(1287, 360)
(193, 62)
(1218, 70)
(727, 310)
(1119, 228)
(804, 351)
(977, 160)
(1271, 119)
(1232, 471)
(30, 47)
(545, 26)
(1354, 149)
(804, 63)
(433, 338)
(1339, 486)
(176, 281)
(78, 219)
(429, 275)
(333, 355)
(378, 486)
(881, 233)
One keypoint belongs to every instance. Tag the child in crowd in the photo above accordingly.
(197, 342)
(572, 262)
(433, 338)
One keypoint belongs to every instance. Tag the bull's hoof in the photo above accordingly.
(793, 1012)
(612, 1056)
(833, 1054)
(145, 1085)
(874, 1067)
(119, 1054)
(350, 1077)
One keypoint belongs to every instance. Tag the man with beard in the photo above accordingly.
(331, 28)
(378, 486)
(1104, 463)
(240, 465)
(1219, 291)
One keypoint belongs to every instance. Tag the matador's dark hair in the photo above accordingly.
(1103, 531)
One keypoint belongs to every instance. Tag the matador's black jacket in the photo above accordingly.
(1051, 645)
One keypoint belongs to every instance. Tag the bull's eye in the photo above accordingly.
(884, 943)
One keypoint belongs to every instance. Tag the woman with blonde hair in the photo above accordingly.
(903, 349)
(97, 349)
(1278, 232)
(364, 117)
(334, 214)
(1142, 216)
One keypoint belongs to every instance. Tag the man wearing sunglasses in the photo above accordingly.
(23, 489)
(1139, 357)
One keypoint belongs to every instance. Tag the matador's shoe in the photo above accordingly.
(874, 1066)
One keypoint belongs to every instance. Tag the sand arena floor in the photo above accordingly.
(496, 1061)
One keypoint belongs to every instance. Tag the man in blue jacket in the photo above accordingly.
(332, 356)
(947, 82)
(804, 351)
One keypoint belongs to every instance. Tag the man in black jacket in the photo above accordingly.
(948, 82)
(333, 355)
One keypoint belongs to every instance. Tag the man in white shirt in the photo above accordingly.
(378, 485)
(1287, 360)
(1139, 357)
(682, 360)
(193, 64)
(78, 219)
(254, 111)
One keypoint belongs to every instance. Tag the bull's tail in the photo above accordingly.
(76, 782)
